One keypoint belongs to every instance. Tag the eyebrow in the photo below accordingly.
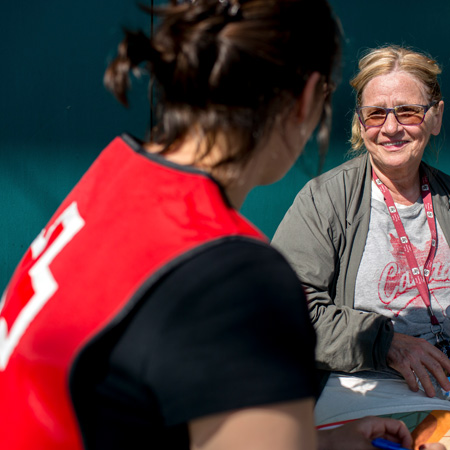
(394, 105)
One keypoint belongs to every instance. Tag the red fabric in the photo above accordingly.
(128, 217)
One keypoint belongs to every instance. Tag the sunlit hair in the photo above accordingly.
(383, 61)
(229, 67)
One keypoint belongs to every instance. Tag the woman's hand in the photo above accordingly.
(413, 357)
(359, 434)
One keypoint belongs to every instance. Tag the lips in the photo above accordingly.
(394, 144)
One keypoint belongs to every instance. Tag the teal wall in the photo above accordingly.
(55, 115)
(365, 25)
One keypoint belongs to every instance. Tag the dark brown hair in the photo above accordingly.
(229, 66)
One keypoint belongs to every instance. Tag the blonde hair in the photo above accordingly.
(388, 59)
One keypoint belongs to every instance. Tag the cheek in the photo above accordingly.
(421, 136)
(370, 135)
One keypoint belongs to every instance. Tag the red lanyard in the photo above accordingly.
(420, 280)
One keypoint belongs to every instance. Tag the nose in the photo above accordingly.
(391, 124)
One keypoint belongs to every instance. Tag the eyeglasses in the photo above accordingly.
(375, 116)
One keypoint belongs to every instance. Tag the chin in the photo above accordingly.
(396, 161)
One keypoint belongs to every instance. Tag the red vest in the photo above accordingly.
(128, 217)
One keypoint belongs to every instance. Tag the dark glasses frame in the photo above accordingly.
(426, 108)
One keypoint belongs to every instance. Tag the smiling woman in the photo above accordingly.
(395, 148)
(378, 227)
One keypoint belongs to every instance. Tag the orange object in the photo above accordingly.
(434, 428)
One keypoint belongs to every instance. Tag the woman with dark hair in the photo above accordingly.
(149, 313)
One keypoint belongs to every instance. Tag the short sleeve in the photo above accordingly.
(230, 329)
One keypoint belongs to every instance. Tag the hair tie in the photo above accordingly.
(232, 8)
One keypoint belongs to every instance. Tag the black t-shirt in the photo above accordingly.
(227, 329)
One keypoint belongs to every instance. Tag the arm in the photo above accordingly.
(348, 340)
(284, 426)
(289, 426)
(313, 237)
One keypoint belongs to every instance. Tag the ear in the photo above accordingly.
(435, 130)
(362, 128)
(308, 99)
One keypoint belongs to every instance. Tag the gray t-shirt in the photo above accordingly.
(384, 284)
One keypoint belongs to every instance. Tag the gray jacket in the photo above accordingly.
(323, 235)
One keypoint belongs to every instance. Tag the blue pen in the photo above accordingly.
(387, 445)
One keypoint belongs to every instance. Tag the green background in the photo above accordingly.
(56, 117)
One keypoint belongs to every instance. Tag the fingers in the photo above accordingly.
(410, 378)
(391, 429)
(427, 385)
(440, 365)
(396, 430)
(414, 357)
(358, 434)
(441, 358)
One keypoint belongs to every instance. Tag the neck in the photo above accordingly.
(267, 164)
(236, 182)
(404, 187)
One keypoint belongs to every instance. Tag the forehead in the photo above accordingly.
(395, 88)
